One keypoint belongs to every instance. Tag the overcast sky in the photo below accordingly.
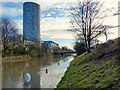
(54, 18)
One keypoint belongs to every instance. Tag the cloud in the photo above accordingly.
(69, 42)
(12, 12)
(19, 26)
(62, 8)
(52, 12)
(56, 28)
(44, 3)
(112, 20)
(56, 11)
(55, 21)
(17, 5)
(59, 34)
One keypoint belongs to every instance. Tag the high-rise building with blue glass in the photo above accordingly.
(31, 22)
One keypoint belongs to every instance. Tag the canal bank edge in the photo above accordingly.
(21, 58)
(98, 69)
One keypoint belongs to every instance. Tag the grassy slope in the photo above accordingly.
(98, 69)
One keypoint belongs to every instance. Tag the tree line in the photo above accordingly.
(87, 19)
(12, 43)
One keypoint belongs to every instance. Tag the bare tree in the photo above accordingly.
(7, 29)
(87, 20)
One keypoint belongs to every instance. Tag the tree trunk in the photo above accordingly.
(106, 37)
(89, 50)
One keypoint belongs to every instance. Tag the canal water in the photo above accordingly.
(45, 72)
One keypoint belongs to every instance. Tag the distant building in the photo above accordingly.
(31, 22)
(51, 45)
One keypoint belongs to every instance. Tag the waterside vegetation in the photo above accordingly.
(98, 69)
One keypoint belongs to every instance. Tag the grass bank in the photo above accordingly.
(98, 69)
(21, 58)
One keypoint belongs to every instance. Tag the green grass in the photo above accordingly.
(90, 74)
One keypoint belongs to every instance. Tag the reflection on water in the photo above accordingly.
(45, 72)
